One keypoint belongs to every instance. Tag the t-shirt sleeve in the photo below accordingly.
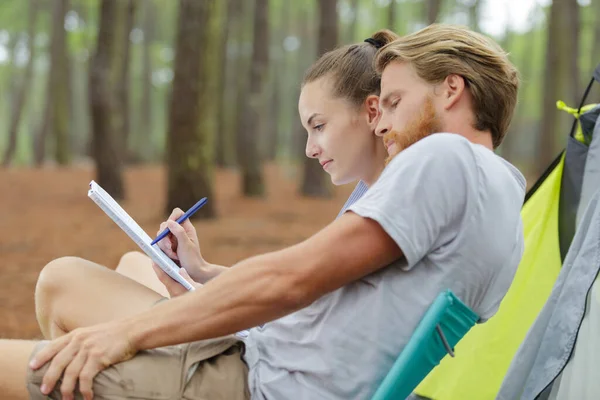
(423, 196)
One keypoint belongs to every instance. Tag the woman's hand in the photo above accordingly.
(183, 249)
(173, 287)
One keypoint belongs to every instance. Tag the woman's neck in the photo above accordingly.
(372, 177)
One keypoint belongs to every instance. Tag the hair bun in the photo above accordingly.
(376, 43)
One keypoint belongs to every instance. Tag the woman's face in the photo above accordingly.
(341, 135)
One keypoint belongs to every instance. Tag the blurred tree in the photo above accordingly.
(189, 160)
(106, 145)
(314, 181)
(56, 113)
(244, 42)
(274, 108)
(124, 25)
(24, 86)
(352, 26)
(473, 10)
(59, 84)
(432, 10)
(596, 49)
(142, 144)
(391, 22)
(223, 131)
(560, 78)
(250, 160)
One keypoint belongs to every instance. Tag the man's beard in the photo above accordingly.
(424, 125)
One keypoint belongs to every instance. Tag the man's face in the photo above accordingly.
(407, 106)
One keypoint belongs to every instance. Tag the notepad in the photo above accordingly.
(135, 232)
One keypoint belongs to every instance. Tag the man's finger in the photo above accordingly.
(57, 366)
(70, 376)
(48, 352)
(86, 378)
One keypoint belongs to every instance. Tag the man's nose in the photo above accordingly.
(383, 126)
(312, 149)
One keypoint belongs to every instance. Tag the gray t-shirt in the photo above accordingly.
(453, 207)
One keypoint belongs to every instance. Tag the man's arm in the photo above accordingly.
(267, 287)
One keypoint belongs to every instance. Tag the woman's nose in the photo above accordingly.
(312, 150)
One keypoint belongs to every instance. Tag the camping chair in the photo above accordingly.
(446, 321)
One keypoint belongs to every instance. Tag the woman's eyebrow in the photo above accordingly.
(311, 118)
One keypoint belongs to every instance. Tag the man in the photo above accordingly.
(333, 312)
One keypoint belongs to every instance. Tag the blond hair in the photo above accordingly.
(440, 50)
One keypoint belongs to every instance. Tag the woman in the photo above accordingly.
(338, 107)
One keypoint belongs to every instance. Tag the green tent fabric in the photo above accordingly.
(549, 215)
(482, 357)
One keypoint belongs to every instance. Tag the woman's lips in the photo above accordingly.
(326, 163)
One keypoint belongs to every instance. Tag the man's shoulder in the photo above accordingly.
(440, 152)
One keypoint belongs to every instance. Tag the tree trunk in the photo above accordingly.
(274, 112)
(223, 131)
(23, 90)
(277, 87)
(573, 22)
(105, 143)
(188, 146)
(124, 27)
(245, 29)
(595, 97)
(555, 81)
(596, 50)
(250, 162)
(432, 10)
(473, 11)
(391, 21)
(59, 84)
(351, 34)
(142, 138)
(315, 182)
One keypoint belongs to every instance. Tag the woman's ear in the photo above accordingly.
(372, 104)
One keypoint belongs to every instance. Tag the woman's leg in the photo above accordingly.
(72, 292)
(137, 266)
(13, 368)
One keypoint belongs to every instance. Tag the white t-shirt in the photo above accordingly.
(454, 209)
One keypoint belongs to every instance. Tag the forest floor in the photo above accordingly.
(45, 214)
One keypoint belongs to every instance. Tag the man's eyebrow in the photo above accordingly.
(311, 118)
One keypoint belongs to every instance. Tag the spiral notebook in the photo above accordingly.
(135, 232)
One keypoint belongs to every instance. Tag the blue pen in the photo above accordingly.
(185, 216)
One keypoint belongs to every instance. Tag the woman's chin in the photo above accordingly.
(338, 180)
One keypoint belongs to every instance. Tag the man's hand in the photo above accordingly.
(81, 355)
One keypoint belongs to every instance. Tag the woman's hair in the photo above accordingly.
(351, 68)
(441, 50)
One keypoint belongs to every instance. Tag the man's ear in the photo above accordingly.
(372, 104)
(454, 87)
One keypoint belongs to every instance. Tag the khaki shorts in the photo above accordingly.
(164, 373)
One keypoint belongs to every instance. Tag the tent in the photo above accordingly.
(550, 215)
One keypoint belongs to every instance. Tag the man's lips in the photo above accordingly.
(389, 145)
